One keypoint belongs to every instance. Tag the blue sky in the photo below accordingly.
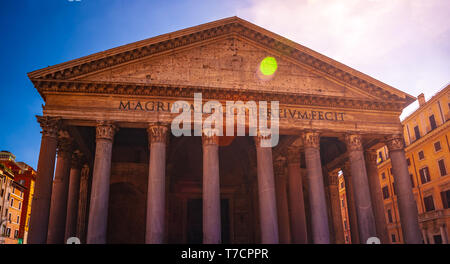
(403, 43)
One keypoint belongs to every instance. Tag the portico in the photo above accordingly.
(142, 184)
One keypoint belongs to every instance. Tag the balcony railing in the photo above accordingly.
(435, 214)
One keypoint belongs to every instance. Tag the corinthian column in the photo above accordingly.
(317, 199)
(333, 187)
(98, 212)
(360, 182)
(74, 191)
(266, 192)
(405, 197)
(211, 188)
(296, 201)
(376, 196)
(157, 135)
(40, 208)
(83, 204)
(282, 202)
(58, 208)
(351, 206)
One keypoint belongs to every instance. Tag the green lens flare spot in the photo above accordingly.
(268, 66)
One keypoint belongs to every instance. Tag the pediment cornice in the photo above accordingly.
(226, 27)
(183, 91)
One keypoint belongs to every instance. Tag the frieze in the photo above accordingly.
(49, 86)
(283, 113)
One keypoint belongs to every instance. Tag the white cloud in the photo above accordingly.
(404, 43)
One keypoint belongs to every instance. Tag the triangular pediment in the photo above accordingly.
(230, 63)
(223, 54)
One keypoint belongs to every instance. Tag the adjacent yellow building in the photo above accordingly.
(426, 133)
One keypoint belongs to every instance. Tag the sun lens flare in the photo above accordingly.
(268, 66)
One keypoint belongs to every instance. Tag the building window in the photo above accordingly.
(442, 169)
(20, 204)
(417, 132)
(429, 203)
(385, 192)
(8, 232)
(380, 156)
(9, 196)
(345, 224)
(408, 161)
(421, 155)
(393, 238)
(18, 218)
(16, 234)
(437, 146)
(389, 214)
(445, 196)
(412, 180)
(9, 217)
(12, 201)
(342, 185)
(342, 202)
(1, 194)
(424, 175)
(432, 122)
(383, 175)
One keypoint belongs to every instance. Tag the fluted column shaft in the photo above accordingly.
(157, 135)
(376, 196)
(72, 200)
(60, 190)
(40, 208)
(317, 199)
(98, 211)
(405, 198)
(360, 181)
(284, 230)
(296, 200)
(211, 189)
(266, 192)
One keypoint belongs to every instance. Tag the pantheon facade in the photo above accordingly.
(110, 169)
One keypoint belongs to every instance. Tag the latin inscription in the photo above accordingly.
(283, 113)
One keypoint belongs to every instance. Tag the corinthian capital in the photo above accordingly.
(105, 130)
(311, 139)
(279, 166)
(210, 136)
(157, 133)
(77, 159)
(371, 156)
(353, 141)
(50, 125)
(65, 144)
(333, 178)
(395, 142)
(293, 155)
